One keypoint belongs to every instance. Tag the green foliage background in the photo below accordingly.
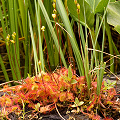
(69, 36)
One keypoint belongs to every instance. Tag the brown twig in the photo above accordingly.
(104, 53)
(59, 112)
(34, 115)
(10, 82)
(113, 74)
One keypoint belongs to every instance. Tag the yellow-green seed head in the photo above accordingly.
(39, 63)
(12, 41)
(55, 11)
(75, 1)
(54, 16)
(14, 33)
(78, 11)
(54, 5)
(78, 6)
(43, 28)
(7, 38)
(13, 36)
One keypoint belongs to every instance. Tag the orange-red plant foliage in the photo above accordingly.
(45, 88)
(50, 88)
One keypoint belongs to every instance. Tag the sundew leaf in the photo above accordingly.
(62, 96)
(61, 89)
(34, 87)
(69, 72)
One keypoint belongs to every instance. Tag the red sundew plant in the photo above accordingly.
(42, 92)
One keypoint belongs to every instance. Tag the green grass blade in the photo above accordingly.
(37, 69)
(27, 41)
(5, 35)
(2, 22)
(23, 16)
(100, 74)
(86, 67)
(3, 69)
(95, 37)
(103, 40)
(115, 48)
(40, 42)
(5, 14)
(86, 62)
(110, 46)
(11, 49)
(65, 19)
(49, 43)
(52, 31)
(17, 53)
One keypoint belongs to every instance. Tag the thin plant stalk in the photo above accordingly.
(86, 62)
(4, 69)
(52, 31)
(37, 69)
(37, 8)
(65, 19)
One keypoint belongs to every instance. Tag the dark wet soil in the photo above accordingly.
(54, 116)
